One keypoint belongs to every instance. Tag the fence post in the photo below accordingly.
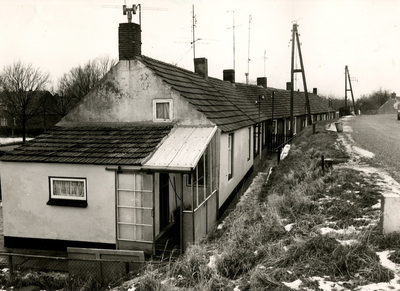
(279, 154)
(313, 128)
(322, 165)
(10, 265)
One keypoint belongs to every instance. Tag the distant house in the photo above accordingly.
(390, 106)
(44, 119)
(153, 151)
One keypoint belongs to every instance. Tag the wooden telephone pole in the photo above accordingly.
(347, 77)
(295, 38)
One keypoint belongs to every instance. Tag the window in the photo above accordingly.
(249, 141)
(295, 125)
(68, 192)
(230, 155)
(3, 121)
(162, 110)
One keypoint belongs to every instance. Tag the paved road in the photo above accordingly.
(379, 134)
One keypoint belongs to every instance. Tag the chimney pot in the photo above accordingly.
(201, 67)
(315, 91)
(129, 41)
(229, 75)
(262, 81)
(288, 85)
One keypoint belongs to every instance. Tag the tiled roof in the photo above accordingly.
(92, 144)
(200, 93)
(232, 106)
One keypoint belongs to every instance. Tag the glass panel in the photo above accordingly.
(126, 198)
(147, 233)
(126, 232)
(147, 182)
(138, 199)
(162, 110)
(139, 216)
(126, 181)
(138, 232)
(147, 199)
(147, 218)
(126, 215)
(68, 188)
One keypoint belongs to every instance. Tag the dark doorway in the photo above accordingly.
(164, 200)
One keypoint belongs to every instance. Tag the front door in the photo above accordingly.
(164, 200)
(134, 215)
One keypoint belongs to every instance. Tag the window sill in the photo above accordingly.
(67, 202)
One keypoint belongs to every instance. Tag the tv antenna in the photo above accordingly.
(129, 11)
(233, 29)
(248, 55)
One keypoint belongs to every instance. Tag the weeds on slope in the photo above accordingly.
(303, 223)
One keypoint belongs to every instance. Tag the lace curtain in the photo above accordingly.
(68, 188)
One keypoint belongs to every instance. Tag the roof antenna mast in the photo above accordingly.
(248, 55)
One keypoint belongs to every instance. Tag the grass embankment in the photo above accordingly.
(302, 224)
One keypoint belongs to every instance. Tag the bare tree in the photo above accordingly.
(75, 84)
(21, 85)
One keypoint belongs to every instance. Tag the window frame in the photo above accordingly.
(63, 200)
(249, 141)
(231, 139)
(158, 101)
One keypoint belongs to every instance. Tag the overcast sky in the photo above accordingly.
(57, 35)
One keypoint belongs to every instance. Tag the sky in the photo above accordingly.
(57, 35)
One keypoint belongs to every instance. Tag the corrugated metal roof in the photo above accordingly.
(182, 149)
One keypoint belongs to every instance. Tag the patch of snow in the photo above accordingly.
(326, 285)
(289, 227)
(133, 288)
(10, 140)
(236, 288)
(220, 226)
(364, 153)
(294, 285)
(212, 263)
(348, 242)
(349, 230)
(285, 151)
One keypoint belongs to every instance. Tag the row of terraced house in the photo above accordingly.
(153, 150)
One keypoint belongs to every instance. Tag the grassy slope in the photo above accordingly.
(283, 230)
(297, 226)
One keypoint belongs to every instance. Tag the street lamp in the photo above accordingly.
(260, 97)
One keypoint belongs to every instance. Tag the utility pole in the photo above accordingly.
(295, 38)
(347, 77)
(248, 55)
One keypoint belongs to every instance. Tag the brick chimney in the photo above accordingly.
(262, 81)
(129, 41)
(288, 86)
(229, 75)
(315, 91)
(201, 67)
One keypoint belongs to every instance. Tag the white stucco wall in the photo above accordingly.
(25, 190)
(126, 94)
(241, 164)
